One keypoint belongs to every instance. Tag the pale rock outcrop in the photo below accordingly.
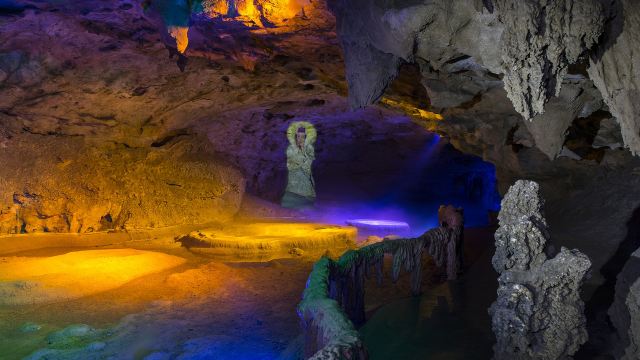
(539, 313)
(377, 39)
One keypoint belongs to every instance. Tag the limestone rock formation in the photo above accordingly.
(540, 40)
(615, 69)
(609, 135)
(97, 123)
(625, 311)
(539, 313)
(577, 98)
(74, 187)
(436, 31)
(531, 42)
(457, 46)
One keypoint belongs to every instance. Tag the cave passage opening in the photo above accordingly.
(403, 175)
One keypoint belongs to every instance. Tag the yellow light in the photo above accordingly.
(28, 280)
(270, 239)
(411, 110)
(181, 34)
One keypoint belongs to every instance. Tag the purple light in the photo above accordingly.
(379, 227)
(383, 223)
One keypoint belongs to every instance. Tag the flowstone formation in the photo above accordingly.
(539, 313)
(333, 300)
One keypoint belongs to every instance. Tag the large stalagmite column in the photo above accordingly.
(539, 313)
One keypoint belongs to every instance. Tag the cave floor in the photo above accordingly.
(200, 308)
(184, 305)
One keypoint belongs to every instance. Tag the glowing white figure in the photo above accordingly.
(300, 189)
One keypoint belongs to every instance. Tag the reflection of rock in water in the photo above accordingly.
(539, 313)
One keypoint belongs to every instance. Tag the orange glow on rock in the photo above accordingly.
(31, 280)
(411, 110)
(265, 240)
(273, 12)
(181, 34)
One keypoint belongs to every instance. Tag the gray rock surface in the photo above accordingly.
(625, 311)
(531, 42)
(615, 70)
(576, 99)
(522, 236)
(538, 313)
(540, 40)
(608, 135)
(456, 83)
(458, 49)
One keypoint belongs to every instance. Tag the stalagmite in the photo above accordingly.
(539, 313)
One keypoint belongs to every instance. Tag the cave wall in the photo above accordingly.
(98, 111)
(527, 85)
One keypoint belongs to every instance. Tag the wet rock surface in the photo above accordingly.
(539, 313)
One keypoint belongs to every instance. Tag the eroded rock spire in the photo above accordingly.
(538, 313)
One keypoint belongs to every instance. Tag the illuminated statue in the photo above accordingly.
(300, 190)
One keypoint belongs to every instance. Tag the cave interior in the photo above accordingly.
(320, 179)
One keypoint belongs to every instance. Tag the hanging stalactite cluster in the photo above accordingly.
(333, 300)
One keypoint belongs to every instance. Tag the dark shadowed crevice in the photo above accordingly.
(598, 324)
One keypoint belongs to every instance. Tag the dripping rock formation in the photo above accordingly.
(539, 313)
(542, 89)
(333, 300)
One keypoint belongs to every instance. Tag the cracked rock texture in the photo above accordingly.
(73, 187)
(538, 313)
